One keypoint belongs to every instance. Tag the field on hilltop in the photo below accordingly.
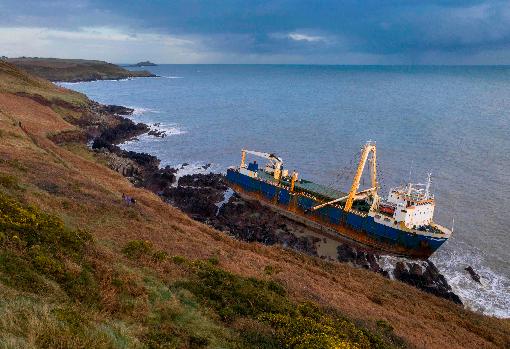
(73, 70)
(80, 268)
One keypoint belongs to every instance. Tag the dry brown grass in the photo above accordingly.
(86, 194)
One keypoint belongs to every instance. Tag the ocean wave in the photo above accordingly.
(172, 77)
(167, 129)
(195, 168)
(491, 296)
(141, 110)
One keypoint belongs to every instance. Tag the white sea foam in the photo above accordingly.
(195, 168)
(172, 77)
(168, 129)
(491, 296)
(141, 110)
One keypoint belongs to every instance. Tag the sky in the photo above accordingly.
(259, 31)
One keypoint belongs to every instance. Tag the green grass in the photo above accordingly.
(56, 294)
(12, 80)
(292, 325)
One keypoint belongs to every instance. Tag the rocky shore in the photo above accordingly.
(207, 198)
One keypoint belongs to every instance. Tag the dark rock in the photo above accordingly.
(124, 130)
(197, 202)
(160, 179)
(212, 180)
(346, 253)
(157, 133)
(117, 109)
(359, 258)
(251, 221)
(427, 278)
(474, 275)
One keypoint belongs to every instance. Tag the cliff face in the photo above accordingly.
(82, 266)
(74, 70)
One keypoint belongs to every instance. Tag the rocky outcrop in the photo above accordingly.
(360, 258)
(124, 130)
(200, 195)
(250, 221)
(474, 275)
(125, 166)
(117, 109)
(425, 277)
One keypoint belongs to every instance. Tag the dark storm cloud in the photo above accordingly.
(403, 29)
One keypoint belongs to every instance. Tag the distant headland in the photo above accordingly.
(143, 64)
(74, 70)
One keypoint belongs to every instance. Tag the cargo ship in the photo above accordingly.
(400, 224)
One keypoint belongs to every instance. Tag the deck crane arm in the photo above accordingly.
(275, 163)
(368, 148)
(268, 156)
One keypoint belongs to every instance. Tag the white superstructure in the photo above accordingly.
(412, 205)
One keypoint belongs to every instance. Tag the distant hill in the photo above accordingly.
(143, 64)
(74, 70)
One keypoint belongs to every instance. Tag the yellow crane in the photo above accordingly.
(368, 148)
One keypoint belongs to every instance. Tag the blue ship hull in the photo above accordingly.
(352, 225)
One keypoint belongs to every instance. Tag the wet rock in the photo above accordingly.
(211, 180)
(359, 258)
(474, 275)
(251, 221)
(157, 133)
(199, 203)
(160, 179)
(425, 277)
(118, 109)
(124, 129)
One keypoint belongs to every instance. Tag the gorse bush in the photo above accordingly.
(136, 249)
(303, 325)
(34, 245)
(233, 296)
(8, 181)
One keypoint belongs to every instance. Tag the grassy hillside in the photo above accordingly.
(79, 268)
(72, 70)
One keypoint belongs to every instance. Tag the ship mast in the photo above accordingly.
(368, 148)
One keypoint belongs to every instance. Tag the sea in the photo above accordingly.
(450, 121)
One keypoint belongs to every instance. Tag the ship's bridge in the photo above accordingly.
(412, 205)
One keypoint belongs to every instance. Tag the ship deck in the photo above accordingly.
(306, 186)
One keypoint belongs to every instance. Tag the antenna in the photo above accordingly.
(410, 171)
(427, 187)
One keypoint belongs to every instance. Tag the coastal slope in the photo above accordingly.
(74, 70)
(82, 267)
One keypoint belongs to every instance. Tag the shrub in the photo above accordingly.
(159, 256)
(232, 296)
(8, 181)
(179, 260)
(304, 325)
(135, 249)
(37, 244)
